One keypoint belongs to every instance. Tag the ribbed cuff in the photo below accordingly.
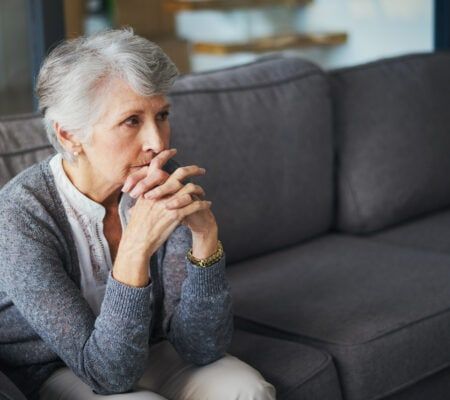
(126, 301)
(206, 281)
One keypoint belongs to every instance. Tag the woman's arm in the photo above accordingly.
(107, 353)
(198, 317)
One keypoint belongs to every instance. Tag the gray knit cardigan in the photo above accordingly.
(45, 323)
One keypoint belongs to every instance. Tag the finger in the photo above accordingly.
(181, 213)
(144, 185)
(134, 178)
(182, 173)
(161, 159)
(167, 188)
(179, 201)
(174, 182)
(183, 199)
(147, 170)
(193, 208)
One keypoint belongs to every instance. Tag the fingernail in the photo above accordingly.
(203, 170)
(133, 193)
(126, 187)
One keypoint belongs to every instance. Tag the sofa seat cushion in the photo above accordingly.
(430, 233)
(297, 371)
(9, 391)
(382, 311)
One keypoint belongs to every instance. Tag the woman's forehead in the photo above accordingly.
(121, 99)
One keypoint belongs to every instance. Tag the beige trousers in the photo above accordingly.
(168, 377)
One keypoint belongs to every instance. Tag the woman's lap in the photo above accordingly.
(167, 376)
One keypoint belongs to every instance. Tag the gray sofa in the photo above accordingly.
(332, 195)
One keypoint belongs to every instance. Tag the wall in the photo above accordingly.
(15, 58)
(376, 28)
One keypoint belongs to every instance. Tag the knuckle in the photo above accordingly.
(133, 179)
(190, 186)
(177, 214)
(160, 174)
(147, 181)
(139, 185)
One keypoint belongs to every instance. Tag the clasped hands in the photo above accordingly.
(184, 200)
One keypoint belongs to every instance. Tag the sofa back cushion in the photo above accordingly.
(393, 140)
(263, 132)
(23, 142)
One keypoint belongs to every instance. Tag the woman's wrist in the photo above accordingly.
(131, 267)
(205, 244)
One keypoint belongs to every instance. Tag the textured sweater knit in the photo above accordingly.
(46, 323)
(86, 218)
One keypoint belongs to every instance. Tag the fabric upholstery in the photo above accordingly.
(429, 233)
(298, 372)
(263, 133)
(382, 311)
(392, 120)
(435, 387)
(23, 142)
(9, 391)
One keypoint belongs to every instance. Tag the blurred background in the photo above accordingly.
(202, 35)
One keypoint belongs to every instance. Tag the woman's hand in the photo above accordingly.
(178, 195)
(148, 177)
(161, 219)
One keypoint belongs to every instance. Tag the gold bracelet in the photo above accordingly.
(206, 262)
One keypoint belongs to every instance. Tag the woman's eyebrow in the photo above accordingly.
(131, 111)
(140, 110)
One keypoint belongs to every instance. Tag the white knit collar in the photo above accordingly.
(78, 200)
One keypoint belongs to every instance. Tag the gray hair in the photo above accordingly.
(74, 76)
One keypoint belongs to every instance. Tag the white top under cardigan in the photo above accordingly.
(86, 220)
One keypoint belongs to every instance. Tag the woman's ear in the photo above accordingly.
(66, 139)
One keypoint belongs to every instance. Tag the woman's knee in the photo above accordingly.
(225, 379)
(65, 385)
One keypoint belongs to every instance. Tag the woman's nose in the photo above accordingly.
(153, 140)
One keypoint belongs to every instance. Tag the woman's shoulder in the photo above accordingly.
(31, 178)
(28, 189)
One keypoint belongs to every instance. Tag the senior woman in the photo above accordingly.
(112, 275)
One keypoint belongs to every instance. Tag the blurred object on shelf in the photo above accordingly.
(96, 17)
(191, 5)
(74, 13)
(177, 49)
(147, 17)
(273, 43)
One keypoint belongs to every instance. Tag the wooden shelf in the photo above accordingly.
(186, 5)
(273, 43)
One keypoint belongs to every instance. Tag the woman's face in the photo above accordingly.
(131, 130)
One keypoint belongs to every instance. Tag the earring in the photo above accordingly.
(76, 153)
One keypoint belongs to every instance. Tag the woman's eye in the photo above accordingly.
(132, 121)
(163, 115)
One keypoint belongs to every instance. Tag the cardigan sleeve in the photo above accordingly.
(198, 315)
(108, 353)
